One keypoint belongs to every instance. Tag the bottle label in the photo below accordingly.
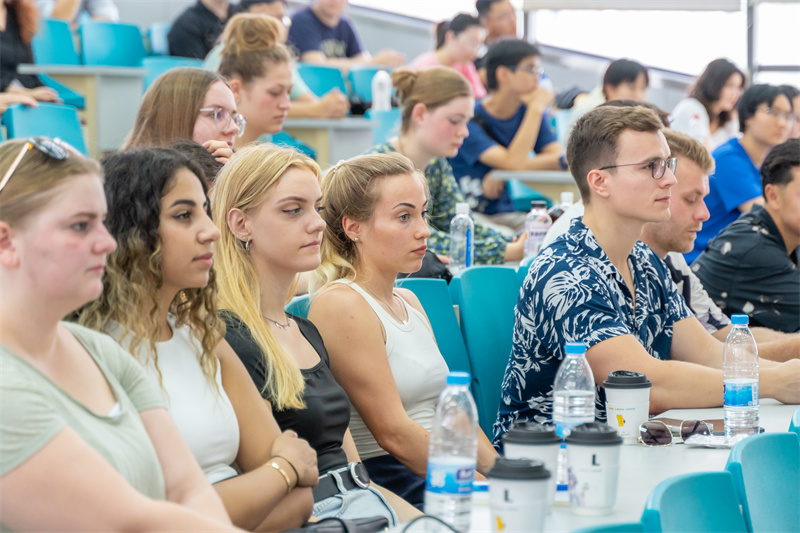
(450, 477)
(740, 393)
(469, 248)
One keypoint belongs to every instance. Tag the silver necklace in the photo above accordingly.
(283, 327)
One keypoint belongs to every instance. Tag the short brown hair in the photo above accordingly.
(250, 42)
(594, 141)
(434, 87)
(683, 145)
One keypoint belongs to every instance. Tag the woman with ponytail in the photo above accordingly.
(381, 345)
(267, 204)
(437, 104)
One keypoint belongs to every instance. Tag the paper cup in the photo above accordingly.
(529, 440)
(627, 403)
(593, 456)
(518, 495)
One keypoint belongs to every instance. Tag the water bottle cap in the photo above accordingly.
(518, 469)
(575, 348)
(527, 432)
(740, 320)
(458, 378)
(593, 434)
(625, 379)
(567, 197)
(540, 204)
(462, 209)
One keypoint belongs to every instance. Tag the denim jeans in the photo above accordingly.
(393, 475)
(354, 503)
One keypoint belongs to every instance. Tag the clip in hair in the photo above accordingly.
(336, 167)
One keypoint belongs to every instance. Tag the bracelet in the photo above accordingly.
(290, 464)
(282, 472)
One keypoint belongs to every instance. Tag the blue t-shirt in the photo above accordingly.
(309, 34)
(736, 180)
(573, 293)
(469, 171)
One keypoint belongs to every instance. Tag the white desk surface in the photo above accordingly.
(642, 468)
(534, 176)
(87, 70)
(346, 123)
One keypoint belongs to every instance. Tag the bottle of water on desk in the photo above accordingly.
(537, 222)
(740, 379)
(462, 230)
(381, 91)
(453, 454)
(573, 391)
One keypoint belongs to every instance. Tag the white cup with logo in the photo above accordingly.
(529, 440)
(627, 403)
(593, 451)
(518, 495)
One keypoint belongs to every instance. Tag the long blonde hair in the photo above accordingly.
(350, 189)
(244, 183)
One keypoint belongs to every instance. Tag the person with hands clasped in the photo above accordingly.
(159, 301)
(188, 103)
(381, 345)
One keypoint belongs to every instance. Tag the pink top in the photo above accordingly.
(429, 59)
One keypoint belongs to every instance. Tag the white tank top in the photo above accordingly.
(418, 368)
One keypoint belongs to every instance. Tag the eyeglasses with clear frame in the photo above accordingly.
(222, 118)
(656, 433)
(55, 148)
(535, 70)
(658, 167)
(777, 113)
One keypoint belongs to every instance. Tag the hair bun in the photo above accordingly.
(404, 80)
(250, 32)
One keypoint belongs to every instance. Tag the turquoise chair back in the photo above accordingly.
(522, 195)
(157, 35)
(158, 65)
(54, 45)
(299, 306)
(284, 139)
(111, 44)
(487, 297)
(67, 95)
(360, 78)
(388, 124)
(629, 527)
(701, 502)
(435, 299)
(524, 265)
(321, 79)
(794, 425)
(50, 120)
(766, 474)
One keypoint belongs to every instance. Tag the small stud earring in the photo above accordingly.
(355, 240)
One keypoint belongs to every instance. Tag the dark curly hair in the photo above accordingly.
(136, 180)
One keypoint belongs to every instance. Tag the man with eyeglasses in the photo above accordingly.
(765, 118)
(597, 285)
(751, 266)
(509, 122)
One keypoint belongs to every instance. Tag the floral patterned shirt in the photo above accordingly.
(490, 246)
(573, 293)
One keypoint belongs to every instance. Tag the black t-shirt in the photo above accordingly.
(14, 52)
(195, 32)
(327, 414)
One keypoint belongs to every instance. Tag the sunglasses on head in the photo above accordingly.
(54, 148)
(657, 433)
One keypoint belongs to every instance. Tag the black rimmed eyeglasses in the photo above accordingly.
(658, 167)
(55, 148)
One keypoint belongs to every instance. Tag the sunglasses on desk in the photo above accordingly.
(657, 433)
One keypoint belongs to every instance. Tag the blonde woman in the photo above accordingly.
(267, 203)
(382, 349)
(160, 302)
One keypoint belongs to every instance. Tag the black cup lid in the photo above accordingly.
(525, 432)
(518, 469)
(626, 379)
(594, 434)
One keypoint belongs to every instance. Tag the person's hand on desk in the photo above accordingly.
(7, 99)
(333, 105)
(781, 381)
(221, 150)
(388, 58)
(492, 188)
(40, 94)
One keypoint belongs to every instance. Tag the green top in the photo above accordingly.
(490, 246)
(34, 409)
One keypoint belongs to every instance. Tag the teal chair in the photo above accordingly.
(487, 296)
(524, 265)
(54, 44)
(284, 139)
(766, 474)
(360, 78)
(435, 300)
(702, 502)
(522, 195)
(67, 95)
(794, 425)
(157, 35)
(321, 79)
(158, 65)
(629, 527)
(388, 124)
(299, 306)
(111, 44)
(49, 120)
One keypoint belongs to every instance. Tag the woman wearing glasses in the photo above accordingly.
(159, 302)
(189, 103)
(86, 441)
(457, 44)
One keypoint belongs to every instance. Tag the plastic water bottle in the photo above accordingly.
(381, 91)
(573, 391)
(462, 230)
(567, 199)
(453, 454)
(537, 222)
(740, 379)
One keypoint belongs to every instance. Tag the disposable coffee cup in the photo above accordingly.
(627, 403)
(529, 440)
(518, 495)
(593, 451)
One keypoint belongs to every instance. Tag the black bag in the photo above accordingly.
(369, 524)
(432, 267)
